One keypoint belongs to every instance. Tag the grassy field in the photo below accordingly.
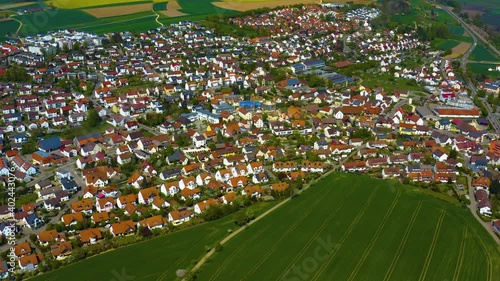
(72, 4)
(201, 7)
(481, 53)
(481, 68)
(445, 44)
(352, 227)
(156, 259)
(388, 83)
(8, 26)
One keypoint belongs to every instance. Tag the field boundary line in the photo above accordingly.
(395, 260)
(237, 251)
(430, 253)
(460, 255)
(164, 274)
(312, 239)
(346, 234)
(290, 229)
(375, 237)
(263, 215)
(488, 257)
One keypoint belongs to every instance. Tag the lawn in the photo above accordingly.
(156, 259)
(481, 53)
(352, 227)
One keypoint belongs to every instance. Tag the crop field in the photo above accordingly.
(155, 259)
(488, 9)
(103, 16)
(446, 44)
(74, 4)
(104, 12)
(202, 7)
(460, 49)
(481, 53)
(352, 227)
(248, 5)
(172, 10)
(6, 5)
(482, 68)
(8, 27)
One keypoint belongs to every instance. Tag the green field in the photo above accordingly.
(9, 26)
(372, 229)
(482, 68)
(202, 7)
(155, 259)
(72, 16)
(456, 30)
(71, 4)
(445, 44)
(481, 53)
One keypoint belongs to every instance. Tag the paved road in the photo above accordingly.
(471, 30)
(492, 118)
(473, 209)
(28, 231)
(45, 175)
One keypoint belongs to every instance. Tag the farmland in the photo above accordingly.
(155, 259)
(103, 12)
(247, 6)
(482, 68)
(71, 4)
(118, 15)
(488, 9)
(481, 53)
(351, 227)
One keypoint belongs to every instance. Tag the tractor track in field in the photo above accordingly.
(488, 257)
(290, 229)
(402, 244)
(346, 234)
(375, 237)
(430, 253)
(236, 252)
(318, 232)
(164, 274)
(460, 261)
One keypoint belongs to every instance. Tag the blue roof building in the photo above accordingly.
(50, 144)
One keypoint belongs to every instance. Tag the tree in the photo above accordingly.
(442, 31)
(93, 119)
(495, 187)
(453, 154)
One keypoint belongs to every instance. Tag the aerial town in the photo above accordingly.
(131, 135)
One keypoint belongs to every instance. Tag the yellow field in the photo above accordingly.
(246, 6)
(353, 1)
(73, 4)
(299, 2)
(173, 10)
(114, 11)
(14, 5)
(459, 50)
